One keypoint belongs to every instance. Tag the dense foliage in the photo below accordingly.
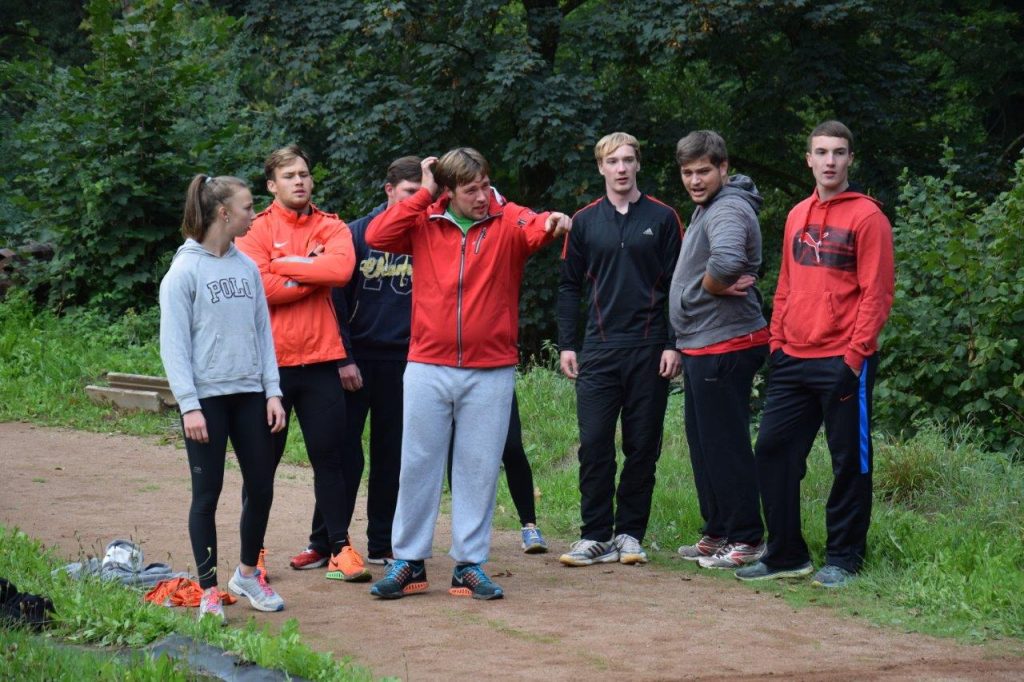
(954, 346)
(106, 149)
(104, 125)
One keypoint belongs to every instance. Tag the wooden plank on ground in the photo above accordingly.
(127, 398)
(142, 382)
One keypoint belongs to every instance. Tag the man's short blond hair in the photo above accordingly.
(609, 143)
(460, 166)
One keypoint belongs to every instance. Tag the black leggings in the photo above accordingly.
(242, 417)
(517, 468)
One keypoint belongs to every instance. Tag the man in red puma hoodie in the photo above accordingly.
(834, 295)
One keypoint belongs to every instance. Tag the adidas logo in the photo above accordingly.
(649, 232)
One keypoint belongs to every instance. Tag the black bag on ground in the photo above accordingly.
(18, 609)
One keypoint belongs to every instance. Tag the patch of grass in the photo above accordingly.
(947, 536)
(47, 360)
(93, 612)
(502, 626)
(30, 657)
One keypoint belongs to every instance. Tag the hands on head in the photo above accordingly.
(428, 181)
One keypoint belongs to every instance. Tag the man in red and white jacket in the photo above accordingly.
(470, 247)
(834, 295)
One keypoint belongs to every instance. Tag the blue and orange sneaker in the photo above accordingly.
(403, 577)
(469, 580)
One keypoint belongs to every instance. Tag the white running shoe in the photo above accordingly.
(588, 552)
(261, 595)
(211, 606)
(630, 551)
(734, 555)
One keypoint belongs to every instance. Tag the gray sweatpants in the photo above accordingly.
(479, 402)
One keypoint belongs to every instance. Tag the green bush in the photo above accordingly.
(103, 153)
(953, 350)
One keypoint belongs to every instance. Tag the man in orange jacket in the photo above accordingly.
(470, 248)
(833, 298)
(301, 253)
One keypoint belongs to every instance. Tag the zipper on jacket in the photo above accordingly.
(458, 309)
(483, 233)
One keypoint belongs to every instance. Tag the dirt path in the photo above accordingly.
(80, 490)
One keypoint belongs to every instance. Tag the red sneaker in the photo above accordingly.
(307, 559)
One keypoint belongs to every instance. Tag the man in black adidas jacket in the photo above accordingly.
(620, 254)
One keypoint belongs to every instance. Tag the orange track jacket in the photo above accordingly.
(299, 293)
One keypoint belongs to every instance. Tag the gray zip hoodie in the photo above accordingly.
(723, 240)
(215, 334)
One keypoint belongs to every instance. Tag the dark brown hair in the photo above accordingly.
(405, 168)
(831, 129)
(701, 143)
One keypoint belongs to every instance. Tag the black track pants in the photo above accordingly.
(717, 416)
(380, 398)
(316, 395)
(612, 383)
(803, 394)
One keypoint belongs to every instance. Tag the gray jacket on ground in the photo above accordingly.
(723, 240)
(215, 336)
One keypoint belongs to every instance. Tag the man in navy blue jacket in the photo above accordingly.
(373, 316)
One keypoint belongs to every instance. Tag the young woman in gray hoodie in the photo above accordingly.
(217, 350)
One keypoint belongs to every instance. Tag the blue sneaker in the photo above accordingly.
(533, 541)
(469, 580)
(832, 576)
(402, 578)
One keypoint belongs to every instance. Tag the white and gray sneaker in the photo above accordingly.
(210, 605)
(630, 551)
(255, 588)
(589, 552)
(735, 555)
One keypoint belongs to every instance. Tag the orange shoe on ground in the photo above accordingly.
(261, 563)
(347, 565)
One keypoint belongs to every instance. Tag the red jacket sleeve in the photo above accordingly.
(875, 277)
(332, 268)
(256, 245)
(391, 230)
(530, 225)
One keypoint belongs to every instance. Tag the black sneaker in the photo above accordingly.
(469, 580)
(762, 571)
(402, 578)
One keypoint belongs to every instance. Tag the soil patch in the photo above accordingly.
(77, 491)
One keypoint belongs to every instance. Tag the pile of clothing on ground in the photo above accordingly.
(124, 562)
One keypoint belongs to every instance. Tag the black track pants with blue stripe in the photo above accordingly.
(802, 395)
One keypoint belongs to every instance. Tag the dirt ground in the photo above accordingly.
(77, 491)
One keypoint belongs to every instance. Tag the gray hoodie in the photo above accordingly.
(723, 240)
(215, 334)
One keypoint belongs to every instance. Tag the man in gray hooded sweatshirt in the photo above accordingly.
(716, 313)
